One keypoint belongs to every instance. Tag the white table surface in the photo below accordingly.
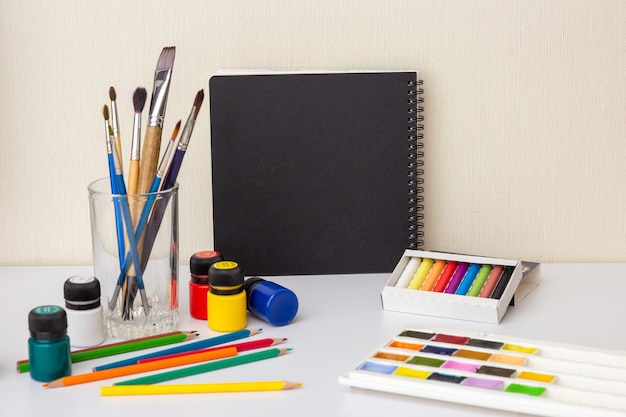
(339, 323)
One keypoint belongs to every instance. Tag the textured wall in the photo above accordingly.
(525, 110)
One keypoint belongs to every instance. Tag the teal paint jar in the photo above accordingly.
(49, 345)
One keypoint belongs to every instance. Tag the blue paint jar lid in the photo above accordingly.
(270, 302)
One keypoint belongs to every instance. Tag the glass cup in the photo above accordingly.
(140, 281)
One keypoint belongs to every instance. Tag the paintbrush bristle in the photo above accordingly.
(197, 103)
(112, 94)
(166, 59)
(176, 129)
(139, 99)
(105, 112)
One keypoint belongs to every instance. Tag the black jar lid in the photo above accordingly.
(47, 322)
(81, 292)
(199, 265)
(226, 277)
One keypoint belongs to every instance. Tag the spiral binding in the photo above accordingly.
(416, 164)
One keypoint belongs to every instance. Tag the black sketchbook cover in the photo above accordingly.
(316, 173)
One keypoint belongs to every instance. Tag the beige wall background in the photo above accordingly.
(525, 110)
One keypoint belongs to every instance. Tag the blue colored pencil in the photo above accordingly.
(200, 344)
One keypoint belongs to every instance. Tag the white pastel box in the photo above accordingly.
(439, 304)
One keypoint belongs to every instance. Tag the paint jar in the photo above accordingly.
(226, 300)
(199, 265)
(85, 325)
(269, 301)
(139, 282)
(48, 345)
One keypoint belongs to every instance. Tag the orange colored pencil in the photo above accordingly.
(141, 367)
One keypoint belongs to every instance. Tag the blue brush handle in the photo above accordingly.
(119, 225)
(141, 224)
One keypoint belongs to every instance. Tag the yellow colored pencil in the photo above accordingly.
(116, 390)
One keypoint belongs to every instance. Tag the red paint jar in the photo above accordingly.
(199, 265)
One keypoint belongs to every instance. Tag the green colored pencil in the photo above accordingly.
(121, 347)
(206, 367)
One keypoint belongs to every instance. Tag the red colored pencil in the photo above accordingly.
(241, 347)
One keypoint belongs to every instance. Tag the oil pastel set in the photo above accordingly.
(457, 286)
(495, 371)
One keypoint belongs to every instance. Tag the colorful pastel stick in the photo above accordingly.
(445, 276)
(420, 274)
(503, 282)
(480, 280)
(408, 272)
(456, 278)
(468, 279)
(433, 275)
(492, 280)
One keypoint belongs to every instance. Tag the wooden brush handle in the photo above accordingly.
(133, 176)
(149, 158)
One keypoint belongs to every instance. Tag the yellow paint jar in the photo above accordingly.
(226, 299)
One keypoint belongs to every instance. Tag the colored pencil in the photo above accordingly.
(138, 368)
(117, 390)
(205, 367)
(121, 347)
(197, 345)
(241, 347)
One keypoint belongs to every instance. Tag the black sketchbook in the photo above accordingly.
(316, 173)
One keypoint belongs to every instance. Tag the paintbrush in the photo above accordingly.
(122, 211)
(143, 219)
(139, 101)
(170, 179)
(154, 128)
(122, 199)
(152, 144)
(119, 226)
(185, 137)
(115, 122)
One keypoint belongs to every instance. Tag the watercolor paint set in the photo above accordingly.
(500, 372)
(457, 286)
